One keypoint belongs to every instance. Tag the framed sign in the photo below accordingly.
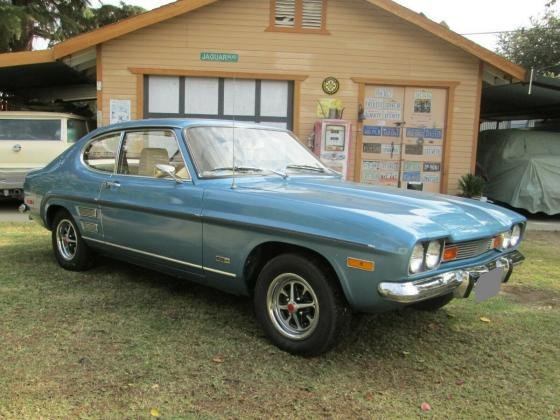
(119, 110)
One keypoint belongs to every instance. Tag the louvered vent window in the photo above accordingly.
(298, 15)
(312, 14)
(285, 13)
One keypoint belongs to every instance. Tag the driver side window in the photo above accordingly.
(142, 151)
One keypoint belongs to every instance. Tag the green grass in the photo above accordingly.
(118, 340)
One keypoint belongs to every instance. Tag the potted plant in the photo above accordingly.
(472, 186)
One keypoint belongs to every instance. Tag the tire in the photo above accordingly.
(433, 304)
(300, 305)
(70, 250)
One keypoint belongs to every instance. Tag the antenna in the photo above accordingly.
(233, 185)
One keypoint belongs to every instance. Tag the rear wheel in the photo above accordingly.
(300, 305)
(70, 250)
(433, 304)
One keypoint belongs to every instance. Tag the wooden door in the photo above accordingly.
(403, 136)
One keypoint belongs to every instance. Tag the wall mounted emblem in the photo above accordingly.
(331, 85)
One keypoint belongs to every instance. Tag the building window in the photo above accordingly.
(308, 16)
(268, 102)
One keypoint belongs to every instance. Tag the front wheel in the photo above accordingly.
(300, 305)
(70, 250)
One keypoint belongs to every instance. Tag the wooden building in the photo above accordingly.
(403, 80)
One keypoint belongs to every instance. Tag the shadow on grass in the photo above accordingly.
(379, 333)
(167, 304)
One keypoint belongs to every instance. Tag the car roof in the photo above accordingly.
(37, 114)
(179, 123)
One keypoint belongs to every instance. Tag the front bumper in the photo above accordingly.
(460, 282)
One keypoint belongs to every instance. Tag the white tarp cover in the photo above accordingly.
(523, 168)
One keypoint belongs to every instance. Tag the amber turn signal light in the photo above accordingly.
(450, 253)
(497, 242)
(360, 264)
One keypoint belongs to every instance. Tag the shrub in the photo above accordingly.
(471, 185)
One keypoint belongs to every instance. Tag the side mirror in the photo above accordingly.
(169, 170)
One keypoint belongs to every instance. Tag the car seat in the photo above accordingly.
(150, 157)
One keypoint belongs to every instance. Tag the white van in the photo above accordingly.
(30, 140)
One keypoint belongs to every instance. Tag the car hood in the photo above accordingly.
(425, 215)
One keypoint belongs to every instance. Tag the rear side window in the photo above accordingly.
(76, 129)
(27, 129)
(101, 153)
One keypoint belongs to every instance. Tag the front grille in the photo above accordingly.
(472, 249)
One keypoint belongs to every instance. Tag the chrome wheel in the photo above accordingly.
(66, 239)
(292, 306)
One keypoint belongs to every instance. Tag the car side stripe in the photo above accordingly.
(213, 270)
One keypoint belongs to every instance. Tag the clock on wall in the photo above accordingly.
(331, 85)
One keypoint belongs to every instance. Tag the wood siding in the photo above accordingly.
(364, 42)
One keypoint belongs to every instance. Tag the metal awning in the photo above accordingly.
(513, 102)
(13, 79)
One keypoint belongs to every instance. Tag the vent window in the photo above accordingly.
(285, 13)
(308, 16)
(312, 14)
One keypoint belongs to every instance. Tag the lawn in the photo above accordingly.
(120, 341)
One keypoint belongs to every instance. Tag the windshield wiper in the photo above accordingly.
(306, 168)
(246, 169)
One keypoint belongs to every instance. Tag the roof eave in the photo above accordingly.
(126, 26)
(26, 57)
(177, 8)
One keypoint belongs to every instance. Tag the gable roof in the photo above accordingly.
(180, 7)
(454, 38)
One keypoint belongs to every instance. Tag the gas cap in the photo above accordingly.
(16, 148)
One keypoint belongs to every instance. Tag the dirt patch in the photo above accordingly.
(530, 296)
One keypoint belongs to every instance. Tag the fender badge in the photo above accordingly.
(223, 260)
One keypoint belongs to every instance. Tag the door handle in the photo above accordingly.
(16, 148)
(111, 184)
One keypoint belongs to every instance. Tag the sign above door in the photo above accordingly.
(219, 57)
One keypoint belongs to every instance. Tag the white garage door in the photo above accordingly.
(267, 102)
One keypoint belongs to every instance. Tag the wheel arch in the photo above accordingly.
(264, 252)
(50, 211)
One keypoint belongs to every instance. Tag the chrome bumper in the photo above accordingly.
(460, 282)
(10, 180)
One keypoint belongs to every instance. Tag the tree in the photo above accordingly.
(537, 46)
(107, 14)
(21, 21)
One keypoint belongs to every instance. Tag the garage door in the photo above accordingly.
(403, 136)
(260, 101)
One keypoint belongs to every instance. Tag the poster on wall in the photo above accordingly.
(370, 171)
(383, 106)
(119, 110)
(422, 106)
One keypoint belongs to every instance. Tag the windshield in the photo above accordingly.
(257, 151)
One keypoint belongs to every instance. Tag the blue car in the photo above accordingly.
(249, 210)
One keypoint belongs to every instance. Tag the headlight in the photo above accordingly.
(506, 239)
(515, 235)
(433, 254)
(417, 259)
